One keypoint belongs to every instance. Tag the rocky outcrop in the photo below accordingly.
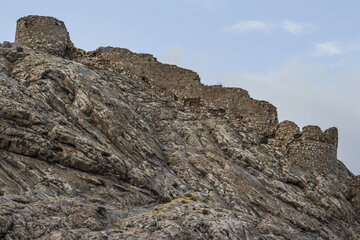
(354, 196)
(111, 144)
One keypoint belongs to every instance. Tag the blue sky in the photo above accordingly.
(302, 56)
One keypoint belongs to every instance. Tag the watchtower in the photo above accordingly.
(44, 33)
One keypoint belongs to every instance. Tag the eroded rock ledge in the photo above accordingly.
(113, 144)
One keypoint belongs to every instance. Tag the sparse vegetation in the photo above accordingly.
(264, 140)
(205, 211)
(101, 211)
(89, 120)
(105, 154)
(187, 194)
(40, 83)
(320, 204)
(77, 236)
(164, 199)
(191, 195)
(45, 182)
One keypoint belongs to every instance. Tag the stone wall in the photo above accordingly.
(50, 35)
(44, 33)
(184, 85)
(311, 149)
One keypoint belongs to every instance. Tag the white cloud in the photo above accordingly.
(328, 49)
(296, 28)
(332, 48)
(308, 94)
(244, 26)
(288, 26)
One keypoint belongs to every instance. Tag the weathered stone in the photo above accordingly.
(310, 149)
(185, 88)
(111, 144)
(44, 33)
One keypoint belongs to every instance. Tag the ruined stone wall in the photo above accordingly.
(311, 149)
(184, 85)
(44, 33)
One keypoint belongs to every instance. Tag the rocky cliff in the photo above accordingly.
(110, 144)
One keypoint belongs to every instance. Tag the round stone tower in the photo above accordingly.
(44, 33)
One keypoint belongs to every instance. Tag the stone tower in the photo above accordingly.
(311, 148)
(44, 33)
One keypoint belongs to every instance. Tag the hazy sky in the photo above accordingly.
(303, 56)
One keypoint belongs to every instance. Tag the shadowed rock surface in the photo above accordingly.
(111, 144)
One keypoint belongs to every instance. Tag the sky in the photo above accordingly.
(302, 56)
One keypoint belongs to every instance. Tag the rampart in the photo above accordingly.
(185, 86)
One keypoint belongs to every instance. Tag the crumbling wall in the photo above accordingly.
(185, 86)
(44, 33)
(311, 148)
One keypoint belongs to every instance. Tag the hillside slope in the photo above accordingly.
(111, 144)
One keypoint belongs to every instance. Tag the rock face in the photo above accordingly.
(111, 144)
